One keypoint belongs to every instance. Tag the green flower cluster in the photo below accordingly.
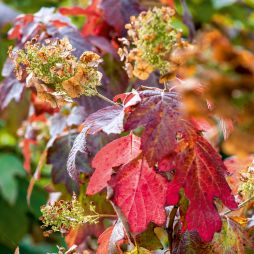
(52, 63)
(152, 40)
(247, 188)
(55, 72)
(64, 215)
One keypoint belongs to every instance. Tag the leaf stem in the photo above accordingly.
(106, 99)
(170, 228)
(241, 205)
(107, 216)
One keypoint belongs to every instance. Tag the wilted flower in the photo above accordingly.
(64, 215)
(153, 38)
(55, 72)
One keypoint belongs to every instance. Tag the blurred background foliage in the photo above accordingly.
(19, 224)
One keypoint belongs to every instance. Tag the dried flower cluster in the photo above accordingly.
(246, 189)
(153, 38)
(55, 72)
(64, 215)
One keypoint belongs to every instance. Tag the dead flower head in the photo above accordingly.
(153, 38)
(55, 72)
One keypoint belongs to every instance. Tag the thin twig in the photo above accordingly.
(170, 228)
(241, 205)
(106, 99)
(108, 216)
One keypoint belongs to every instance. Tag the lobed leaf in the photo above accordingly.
(114, 154)
(201, 173)
(110, 240)
(108, 120)
(159, 113)
(140, 193)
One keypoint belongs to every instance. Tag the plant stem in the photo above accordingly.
(107, 216)
(241, 205)
(105, 99)
(170, 228)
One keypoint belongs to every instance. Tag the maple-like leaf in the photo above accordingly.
(138, 190)
(95, 23)
(111, 239)
(114, 154)
(57, 157)
(158, 112)
(105, 18)
(140, 193)
(201, 173)
(108, 120)
(231, 240)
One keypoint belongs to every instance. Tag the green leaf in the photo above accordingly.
(149, 239)
(138, 250)
(10, 167)
(13, 223)
(232, 239)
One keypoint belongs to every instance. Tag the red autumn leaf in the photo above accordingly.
(114, 154)
(158, 112)
(140, 193)
(27, 153)
(201, 173)
(78, 236)
(27, 26)
(111, 239)
(128, 99)
(95, 23)
(20, 22)
(76, 10)
(231, 240)
(109, 120)
(105, 17)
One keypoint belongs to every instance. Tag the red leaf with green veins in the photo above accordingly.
(158, 113)
(140, 193)
(201, 173)
(114, 154)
